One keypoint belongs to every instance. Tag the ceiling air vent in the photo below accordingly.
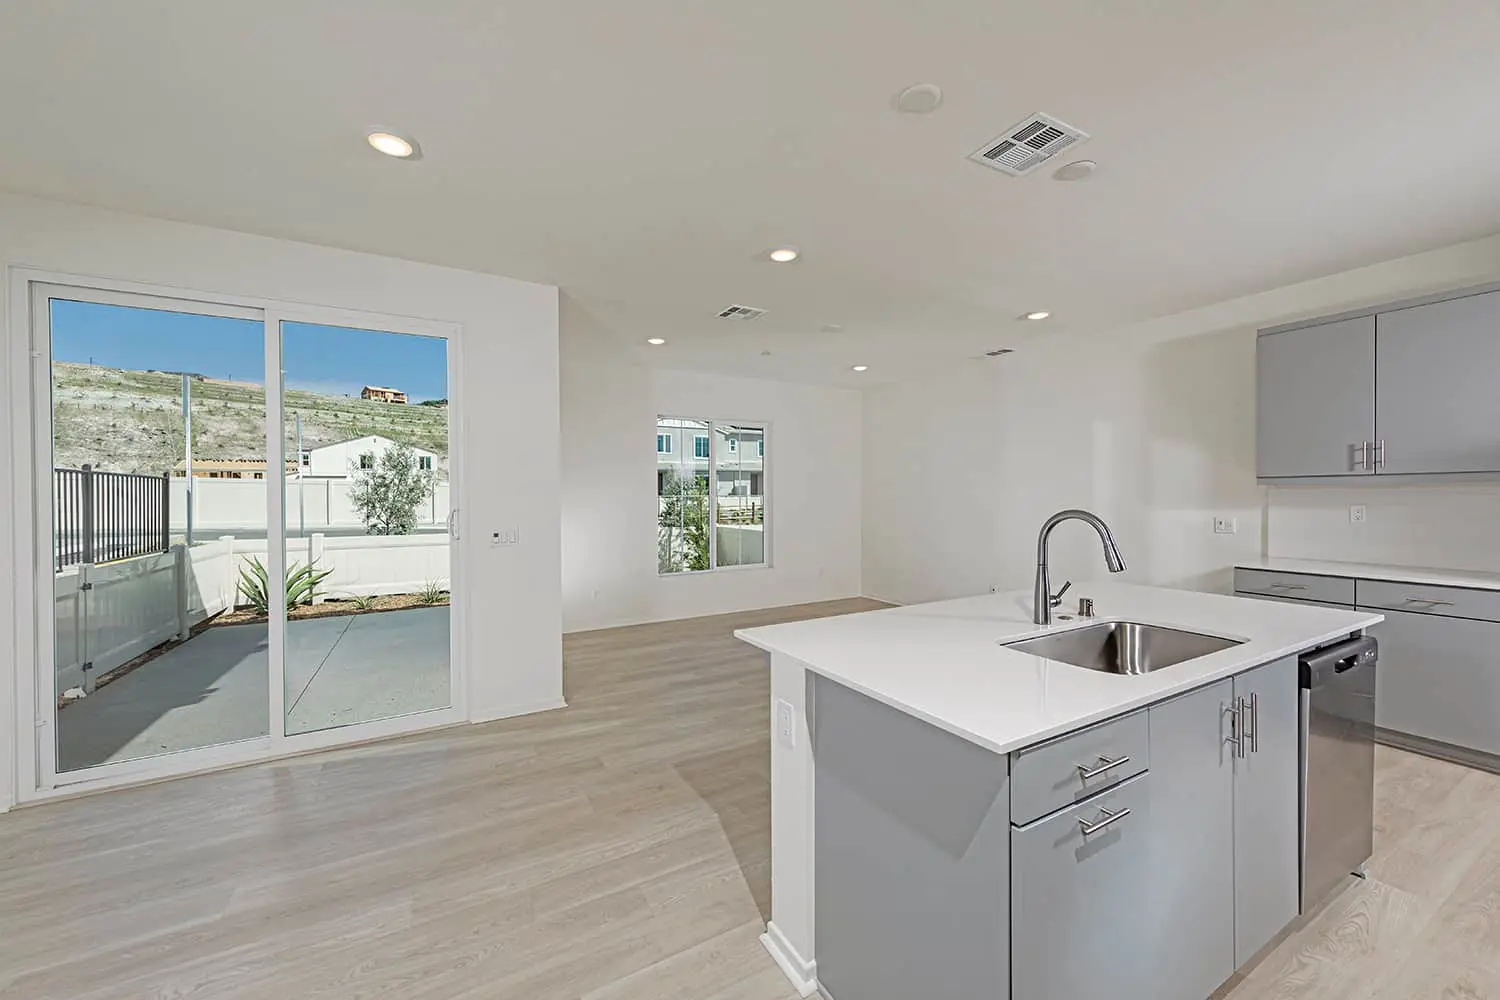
(741, 312)
(999, 352)
(1020, 150)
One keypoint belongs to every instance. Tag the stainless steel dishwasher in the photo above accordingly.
(1338, 765)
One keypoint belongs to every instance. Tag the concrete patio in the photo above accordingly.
(214, 688)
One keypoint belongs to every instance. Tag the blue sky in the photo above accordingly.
(327, 359)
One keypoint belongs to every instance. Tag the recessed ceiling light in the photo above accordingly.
(861, 368)
(1078, 170)
(919, 99)
(392, 144)
(1039, 314)
(784, 255)
(655, 341)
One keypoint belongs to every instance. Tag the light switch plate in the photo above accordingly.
(1226, 526)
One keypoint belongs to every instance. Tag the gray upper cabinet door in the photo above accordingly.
(1439, 678)
(1315, 400)
(1192, 844)
(1079, 903)
(1267, 808)
(1438, 387)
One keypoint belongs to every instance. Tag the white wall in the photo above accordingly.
(1152, 426)
(342, 457)
(1453, 527)
(508, 396)
(609, 411)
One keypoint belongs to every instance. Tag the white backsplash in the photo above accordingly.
(1452, 527)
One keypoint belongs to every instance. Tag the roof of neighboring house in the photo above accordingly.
(382, 388)
(228, 463)
(364, 437)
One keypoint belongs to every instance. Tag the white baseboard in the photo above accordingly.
(512, 712)
(802, 973)
(883, 600)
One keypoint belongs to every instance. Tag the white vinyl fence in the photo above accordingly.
(223, 504)
(132, 606)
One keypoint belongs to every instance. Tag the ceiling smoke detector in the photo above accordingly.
(1027, 145)
(741, 313)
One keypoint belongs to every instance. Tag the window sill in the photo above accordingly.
(750, 568)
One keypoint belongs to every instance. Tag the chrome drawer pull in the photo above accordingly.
(1429, 602)
(1105, 764)
(1252, 732)
(1109, 818)
(1287, 586)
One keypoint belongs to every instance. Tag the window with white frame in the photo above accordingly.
(710, 494)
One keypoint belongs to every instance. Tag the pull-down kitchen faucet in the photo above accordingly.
(1045, 599)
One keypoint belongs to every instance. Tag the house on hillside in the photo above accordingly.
(342, 459)
(229, 468)
(382, 394)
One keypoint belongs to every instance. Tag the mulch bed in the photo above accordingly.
(332, 609)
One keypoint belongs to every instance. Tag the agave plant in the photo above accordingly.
(303, 583)
(433, 592)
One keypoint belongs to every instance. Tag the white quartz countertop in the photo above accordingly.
(1433, 577)
(944, 664)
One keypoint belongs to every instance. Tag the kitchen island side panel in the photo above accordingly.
(911, 856)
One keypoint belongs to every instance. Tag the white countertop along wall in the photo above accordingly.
(1431, 576)
(943, 662)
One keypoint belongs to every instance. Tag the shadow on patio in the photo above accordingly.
(213, 688)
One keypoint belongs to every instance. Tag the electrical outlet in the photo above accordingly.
(1226, 526)
(1357, 513)
(786, 723)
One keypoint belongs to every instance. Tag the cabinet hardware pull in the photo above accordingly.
(1105, 764)
(1380, 454)
(1235, 738)
(1360, 455)
(1107, 818)
(1429, 602)
(1252, 732)
(1287, 586)
(1242, 727)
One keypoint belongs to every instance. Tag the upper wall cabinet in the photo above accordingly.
(1315, 400)
(1409, 390)
(1437, 387)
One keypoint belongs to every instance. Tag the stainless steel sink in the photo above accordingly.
(1122, 647)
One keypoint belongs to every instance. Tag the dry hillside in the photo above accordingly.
(131, 421)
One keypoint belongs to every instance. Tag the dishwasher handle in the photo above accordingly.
(1322, 665)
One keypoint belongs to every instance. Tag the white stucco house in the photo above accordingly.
(342, 459)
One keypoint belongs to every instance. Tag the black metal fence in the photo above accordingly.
(100, 517)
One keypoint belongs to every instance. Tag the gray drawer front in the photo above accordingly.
(1297, 586)
(1419, 598)
(1081, 905)
(1050, 776)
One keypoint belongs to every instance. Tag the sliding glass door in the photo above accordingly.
(367, 544)
(231, 565)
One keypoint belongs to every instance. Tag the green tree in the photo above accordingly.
(386, 496)
(682, 522)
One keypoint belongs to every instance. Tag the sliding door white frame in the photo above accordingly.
(30, 400)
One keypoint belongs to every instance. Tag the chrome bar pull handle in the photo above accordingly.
(1429, 602)
(1380, 454)
(1360, 455)
(1288, 586)
(1235, 739)
(1252, 729)
(1107, 818)
(1105, 764)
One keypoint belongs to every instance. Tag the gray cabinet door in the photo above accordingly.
(1315, 399)
(1267, 808)
(1078, 902)
(1438, 387)
(1439, 678)
(1192, 844)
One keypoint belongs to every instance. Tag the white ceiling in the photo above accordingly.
(644, 154)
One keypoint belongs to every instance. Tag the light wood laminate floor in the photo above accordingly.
(617, 850)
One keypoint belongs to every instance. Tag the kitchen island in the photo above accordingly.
(954, 818)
